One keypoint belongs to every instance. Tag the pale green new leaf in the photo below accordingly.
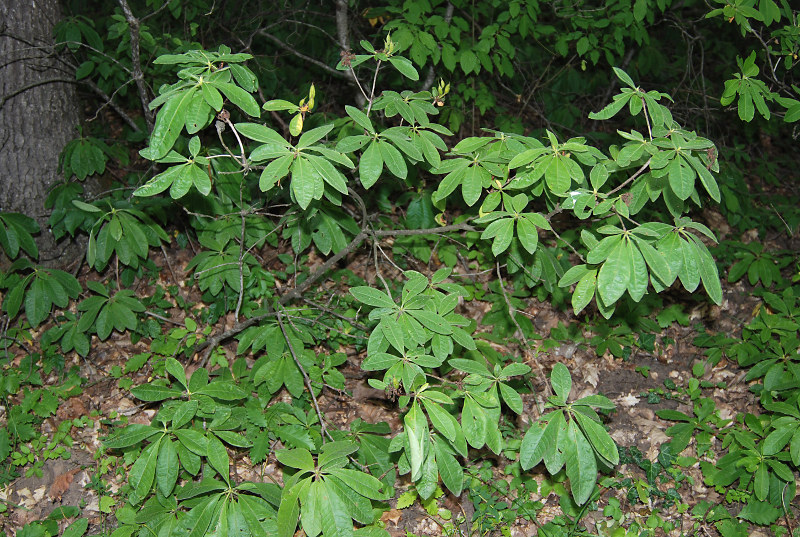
(416, 428)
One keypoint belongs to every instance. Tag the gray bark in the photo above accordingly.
(39, 110)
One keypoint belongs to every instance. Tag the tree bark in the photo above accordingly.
(39, 110)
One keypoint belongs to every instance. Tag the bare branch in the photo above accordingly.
(136, 62)
(294, 51)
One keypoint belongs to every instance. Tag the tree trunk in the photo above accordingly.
(39, 110)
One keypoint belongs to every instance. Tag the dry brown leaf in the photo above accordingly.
(71, 408)
(591, 374)
(629, 400)
(393, 516)
(61, 484)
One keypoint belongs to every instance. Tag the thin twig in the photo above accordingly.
(305, 375)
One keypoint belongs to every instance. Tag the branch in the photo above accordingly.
(298, 291)
(23, 89)
(108, 102)
(321, 65)
(343, 33)
(639, 172)
(136, 62)
(305, 375)
(428, 82)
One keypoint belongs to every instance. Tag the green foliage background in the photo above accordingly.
(567, 148)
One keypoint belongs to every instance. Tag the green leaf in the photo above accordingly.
(432, 321)
(38, 300)
(532, 448)
(655, 261)
(473, 422)
(304, 181)
(274, 172)
(615, 274)
(416, 429)
(175, 368)
(392, 332)
(197, 521)
(561, 381)
(405, 67)
(223, 390)
(159, 183)
(153, 392)
(143, 471)
(472, 184)
(449, 469)
(584, 291)
(365, 484)
(612, 108)
(624, 77)
(360, 118)
(393, 159)
(371, 165)
(334, 518)
(130, 435)
(581, 465)
(184, 412)
(681, 178)
(239, 97)
(193, 440)
(502, 231)
(218, 457)
(296, 458)
(334, 454)
(599, 438)
(261, 133)
(470, 366)
(557, 176)
(441, 419)
(528, 235)
(372, 297)
(167, 467)
(511, 397)
(76, 529)
(169, 123)
(708, 271)
(289, 510)
(314, 135)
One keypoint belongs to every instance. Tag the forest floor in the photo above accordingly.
(635, 384)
